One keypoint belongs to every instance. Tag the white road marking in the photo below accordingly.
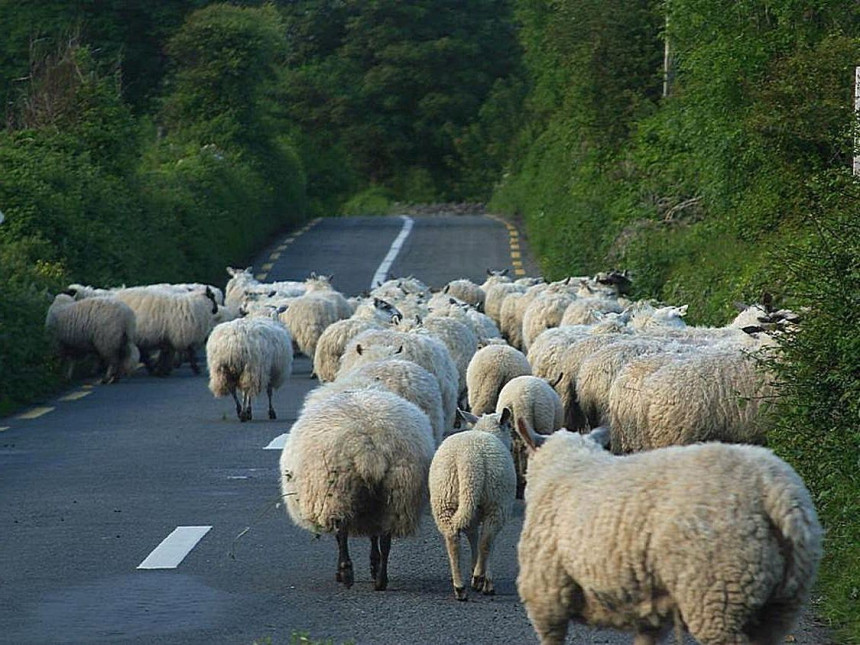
(382, 272)
(261, 276)
(277, 443)
(4, 428)
(266, 267)
(74, 396)
(34, 413)
(174, 547)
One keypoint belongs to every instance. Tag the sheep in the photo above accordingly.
(495, 276)
(170, 322)
(356, 463)
(243, 286)
(246, 356)
(461, 341)
(370, 314)
(496, 294)
(307, 318)
(533, 400)
(721, 539)
(472, 484)
(509, 320)
(705, 395)
(403, 377)
(105, 327)
(423, 349)
(545, 311)
(585, 311)
(467, 291)
(489, 370)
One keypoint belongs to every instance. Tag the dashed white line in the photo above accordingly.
(74, 396)
(277, 443)
(382, 272)
(34, 413)
(174, 547)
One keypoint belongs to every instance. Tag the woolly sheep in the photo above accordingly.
(356, 463)
(171, 323)
(721, 539)
(102, 326)
(534, 401)
(495, 296)
(585, 311)
(545, 311)
(495, 276)
(247, 356)
(403, 377)
(467, 291)
(706, 395)
(461, 341)
(307, 318)
(489, 370)
(423, 349)
(372, 313)
(472, 483)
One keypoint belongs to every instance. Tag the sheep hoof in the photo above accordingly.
(344, 574)
(477, 583)
(489, 589)
(272, 415)
(380, 583)
(461, 594)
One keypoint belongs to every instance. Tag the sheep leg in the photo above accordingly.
(146, 359)
(246, 407)
(344, 564)
(473, 533)
(374, 556)
(452, 545)
(645, 638)
(238, 405)
(381, 579)
(482, 574)
(192, 359)
(272, 414)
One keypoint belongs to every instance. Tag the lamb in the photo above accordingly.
(472, 484)
(408, 379)
(707, 395)
(534, 401)
(489, 370)
(356, 463)
(247, 356)
(103, 326)
(721, 539)
(170, 322)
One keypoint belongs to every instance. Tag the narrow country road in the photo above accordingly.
(93, 481)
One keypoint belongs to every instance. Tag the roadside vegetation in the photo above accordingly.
(163, 142)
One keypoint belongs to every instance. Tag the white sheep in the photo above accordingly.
(307, 318)
(472, 485)
(403, 377)
(545, 311)
(534, 401)
(423, 349)
(461, 341)
(170, 322)
(101, 326)
(356, 463)
(721, 539)
(715, 394)
(489, 370)
(246, 356)
(467, 291)
(495, 296)
(586, 311)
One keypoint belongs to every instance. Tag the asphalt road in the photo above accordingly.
(90, 485)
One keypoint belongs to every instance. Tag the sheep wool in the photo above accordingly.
(472, 485)
(723, 539)
(356, 463)
(489, 370)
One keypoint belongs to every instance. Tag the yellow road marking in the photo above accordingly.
(74, 396)
(515, 246)
(261, 276)
(266, 267)
(516, 254)
(35, 413)
(519, 271)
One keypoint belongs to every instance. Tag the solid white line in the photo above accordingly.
(382, 272)
(174, 547)
(277, 443)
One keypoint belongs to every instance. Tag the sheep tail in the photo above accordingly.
(470, 481)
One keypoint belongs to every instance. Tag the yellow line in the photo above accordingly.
(261, 276)
(515, 246)
(519, 271)
(266, 267)
(74, 396)
(274, 256)
(35, 413)
(516, 254)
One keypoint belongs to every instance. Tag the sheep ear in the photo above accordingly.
(358, 349)
(466, 417)
(752, 329)
(507, 415)
(600, 436)
(399, 350)
(557, 381)
(505, 272)
(682, 310)
(446, 289)
(530, 439)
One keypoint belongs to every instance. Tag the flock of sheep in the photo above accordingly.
(462, 396)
